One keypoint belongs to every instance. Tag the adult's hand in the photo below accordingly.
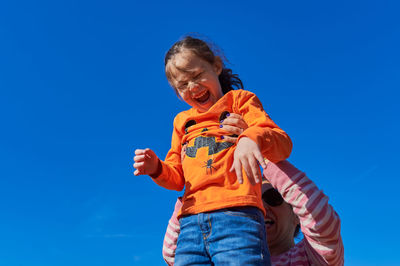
(235, 125)
(248, 156)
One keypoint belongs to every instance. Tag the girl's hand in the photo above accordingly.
(235, 125)
(146, 162)
(248, 156)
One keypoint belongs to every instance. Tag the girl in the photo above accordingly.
(222, 215)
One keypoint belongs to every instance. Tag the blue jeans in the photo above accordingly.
(232, 236)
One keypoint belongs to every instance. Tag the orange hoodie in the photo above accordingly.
(204, 170)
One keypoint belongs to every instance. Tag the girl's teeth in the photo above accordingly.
(200, 95)
(203, 97)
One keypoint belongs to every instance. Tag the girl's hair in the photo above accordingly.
(202, 49)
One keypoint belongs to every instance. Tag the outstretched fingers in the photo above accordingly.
(254, 170)
(237, 167)
(251, 173)
(260, 158)
(248, 156)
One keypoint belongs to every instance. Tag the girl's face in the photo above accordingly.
(195, 80)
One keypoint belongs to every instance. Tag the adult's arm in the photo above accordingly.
(319, 222)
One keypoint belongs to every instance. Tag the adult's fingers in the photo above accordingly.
(254, 169)
(260, 158)
(237, 167)
(233, 129)
(235, 120)
(230, 139)
(235, 123)
(183, 152)
(234, 115)
(248, 170)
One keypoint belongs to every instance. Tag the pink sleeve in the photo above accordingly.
(319, 222)
(171, 235)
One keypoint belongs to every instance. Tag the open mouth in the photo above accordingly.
(269, 223)
(202, 97)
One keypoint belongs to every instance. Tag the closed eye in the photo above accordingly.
(195, 78)
(182, 87)
(198, 76)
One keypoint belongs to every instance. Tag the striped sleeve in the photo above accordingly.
(295, 256)
(319, 222)
(171, 235)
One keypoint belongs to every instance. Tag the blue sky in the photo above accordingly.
(82, 85)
